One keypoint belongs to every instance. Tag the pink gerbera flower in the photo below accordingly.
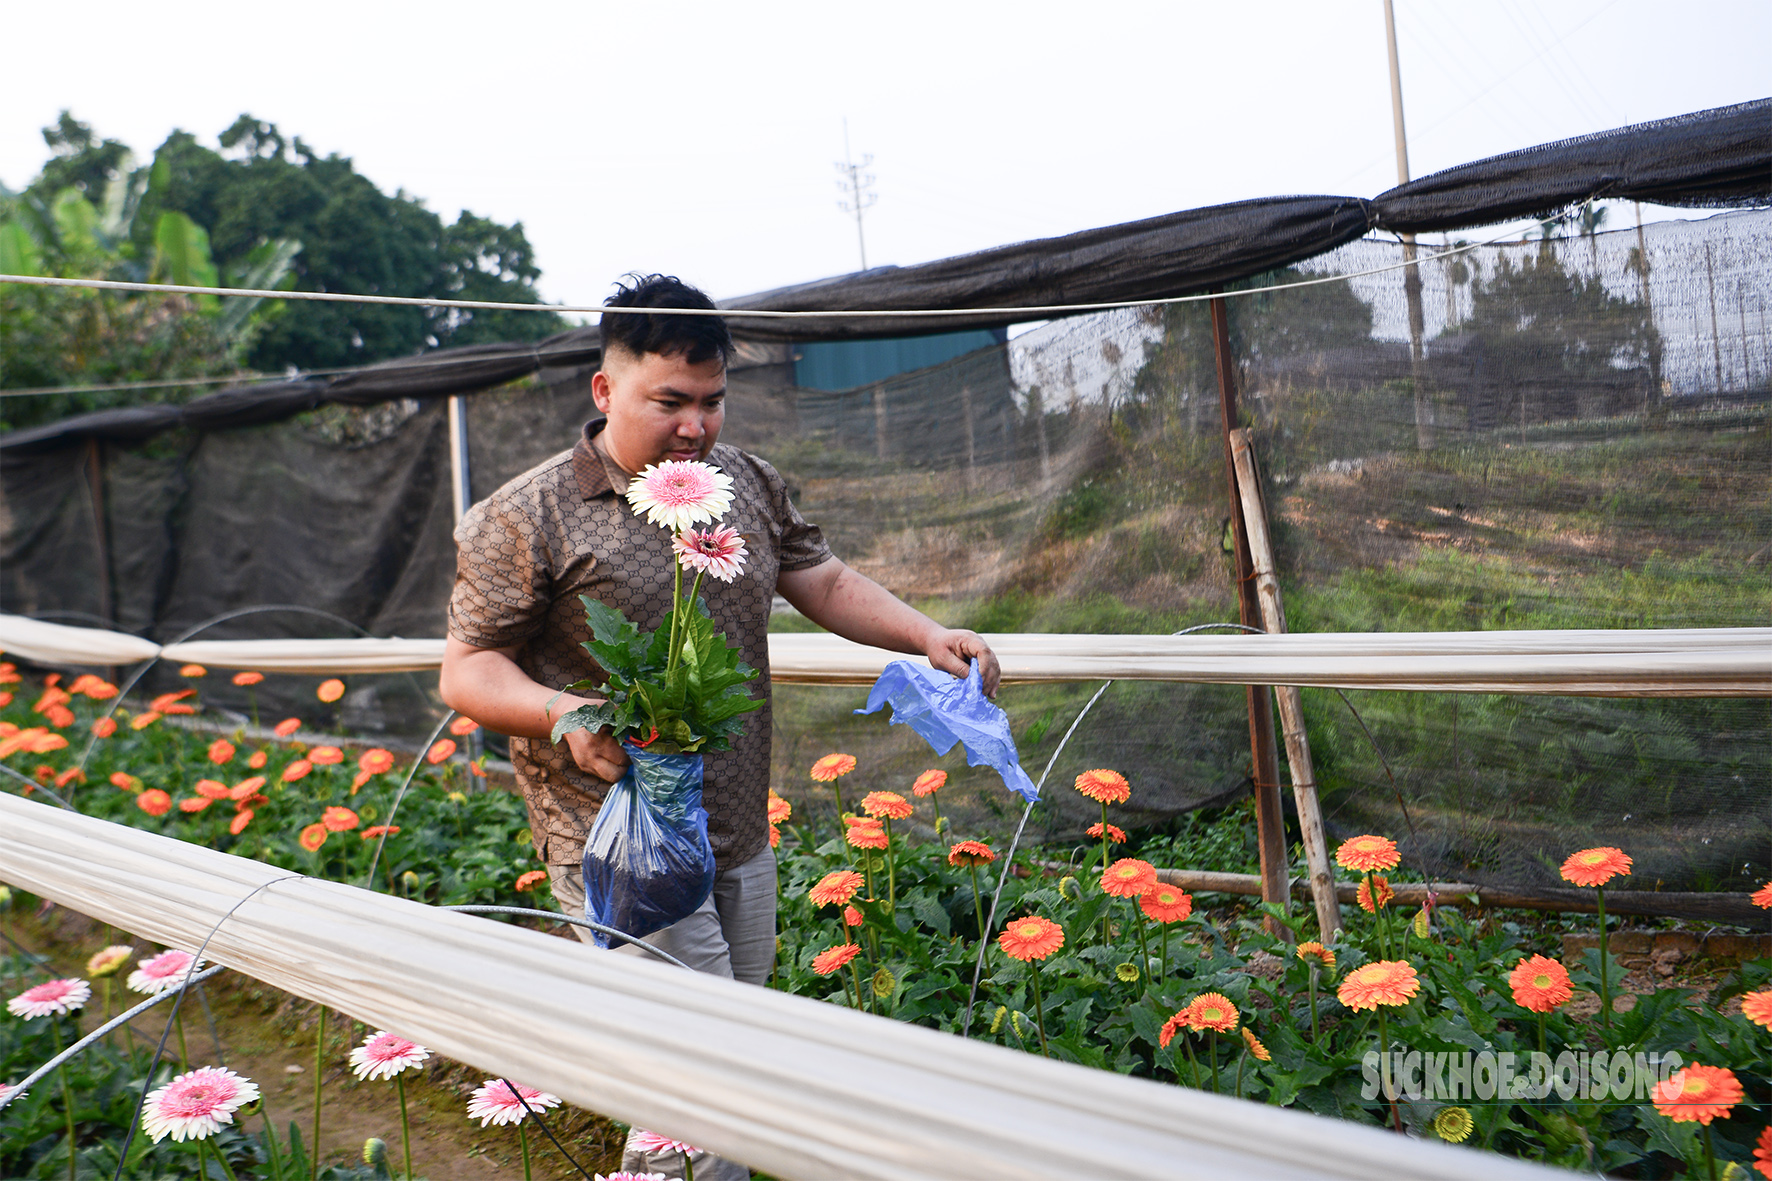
(719, 552)
(160, 972)
(680, 493)
(495, 1103)
(384, 1055)
(51, 998)
(196, 1104)
(650, 1142)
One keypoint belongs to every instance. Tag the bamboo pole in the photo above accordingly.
(1736, 909)
(1298, 745)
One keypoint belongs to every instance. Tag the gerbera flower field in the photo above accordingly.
(1082, 953)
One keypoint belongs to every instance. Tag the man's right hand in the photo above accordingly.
(597, 753)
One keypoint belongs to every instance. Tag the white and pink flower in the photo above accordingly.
(719, 552)
(51, 998)
(196, 1104)
(679, 493)
(384, 1055)
(641, 1140)
(161, 972)
(495, 1103)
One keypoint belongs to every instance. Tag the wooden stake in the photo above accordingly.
(1269, 821)
(1298, 746)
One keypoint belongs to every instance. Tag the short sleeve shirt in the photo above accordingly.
(561, 530)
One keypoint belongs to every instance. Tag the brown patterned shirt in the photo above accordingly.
(561, 530)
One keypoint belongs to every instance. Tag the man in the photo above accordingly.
(563, 529)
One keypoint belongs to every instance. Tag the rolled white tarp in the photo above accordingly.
(1670, 662)
(796, 1087)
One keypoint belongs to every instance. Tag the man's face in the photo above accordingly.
(659, 407)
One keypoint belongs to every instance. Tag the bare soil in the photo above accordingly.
(268, 1036)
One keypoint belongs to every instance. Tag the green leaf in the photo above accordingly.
(19, 252)
(929, 912)
(181, 254)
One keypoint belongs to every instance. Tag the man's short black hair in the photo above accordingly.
(698, 338)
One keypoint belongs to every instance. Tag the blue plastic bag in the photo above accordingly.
(647, 862)
(945, 709)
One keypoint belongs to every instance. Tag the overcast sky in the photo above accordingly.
(699, 138)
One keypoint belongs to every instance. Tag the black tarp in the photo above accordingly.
(1707, 159)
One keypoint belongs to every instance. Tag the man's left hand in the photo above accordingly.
(952, 650)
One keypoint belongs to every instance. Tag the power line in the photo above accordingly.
(856, 186)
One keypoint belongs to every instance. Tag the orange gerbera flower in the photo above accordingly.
(1757, 1007)
(1115, 834)
(1129, 878)
(1312, 950)
(1104, 786)
(194, 803)
(376, 830)
(1368, 853)
(835, 888)
(154, 802)
(440, 751)
(337, 819)
(241, 819)
(376, 761)
(1174, 1026)
(779, 809)
(829, 960)
(71, 775)
(1763, 1152)
(833, 766)
(286, 727)
(967, 853)
(193, 670)
(1382, 982)
(105, 726)
(1380, 886)
(100, 690)
(296, 770)
(774, 837)
(326, 756)
(142, 721)
(525, 882)
(886, 803)
(1166, 904)
(1698, 1092)
(59, 716)
(852, 917)
(312, 837)
(220, 751)
(126, 781)
(1255, 1046)
(246, 787)
(52, 697)
(1762, 897)
(5, 698)
(462, 727)
(258, 760)
(247, 680)
(1031, 938)
(330, 690)
(928, 783)
(210, 789)
(867, 835)
(171, 703)
(1596, 867)
(1212, 1011)
(1540, 984)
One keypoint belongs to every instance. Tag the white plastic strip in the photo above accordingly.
(1674, 662)
(785, 1084)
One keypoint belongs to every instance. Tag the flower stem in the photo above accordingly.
(1541, 1048)
(227, 1169)
(978, 904)
(676, 606)
(1212, 1052)
(523, 1142)
(1605, 972)
(937, 807)
(405, 1125)
(891, 870)
(271, 1150)
(1144, 950)
(1163, 962)
(1242, 1061)
(61, 1072)
(855, 976)
(319, 1063)
(1384, 1049)
(1187, 1043)
(1039, 1014)
(184, 1057)
(1710, 1155)
(1314, 1036)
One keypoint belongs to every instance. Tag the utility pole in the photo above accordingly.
(856, 186)
(1424, 407)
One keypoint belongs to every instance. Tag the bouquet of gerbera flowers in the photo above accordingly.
(682, 685)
